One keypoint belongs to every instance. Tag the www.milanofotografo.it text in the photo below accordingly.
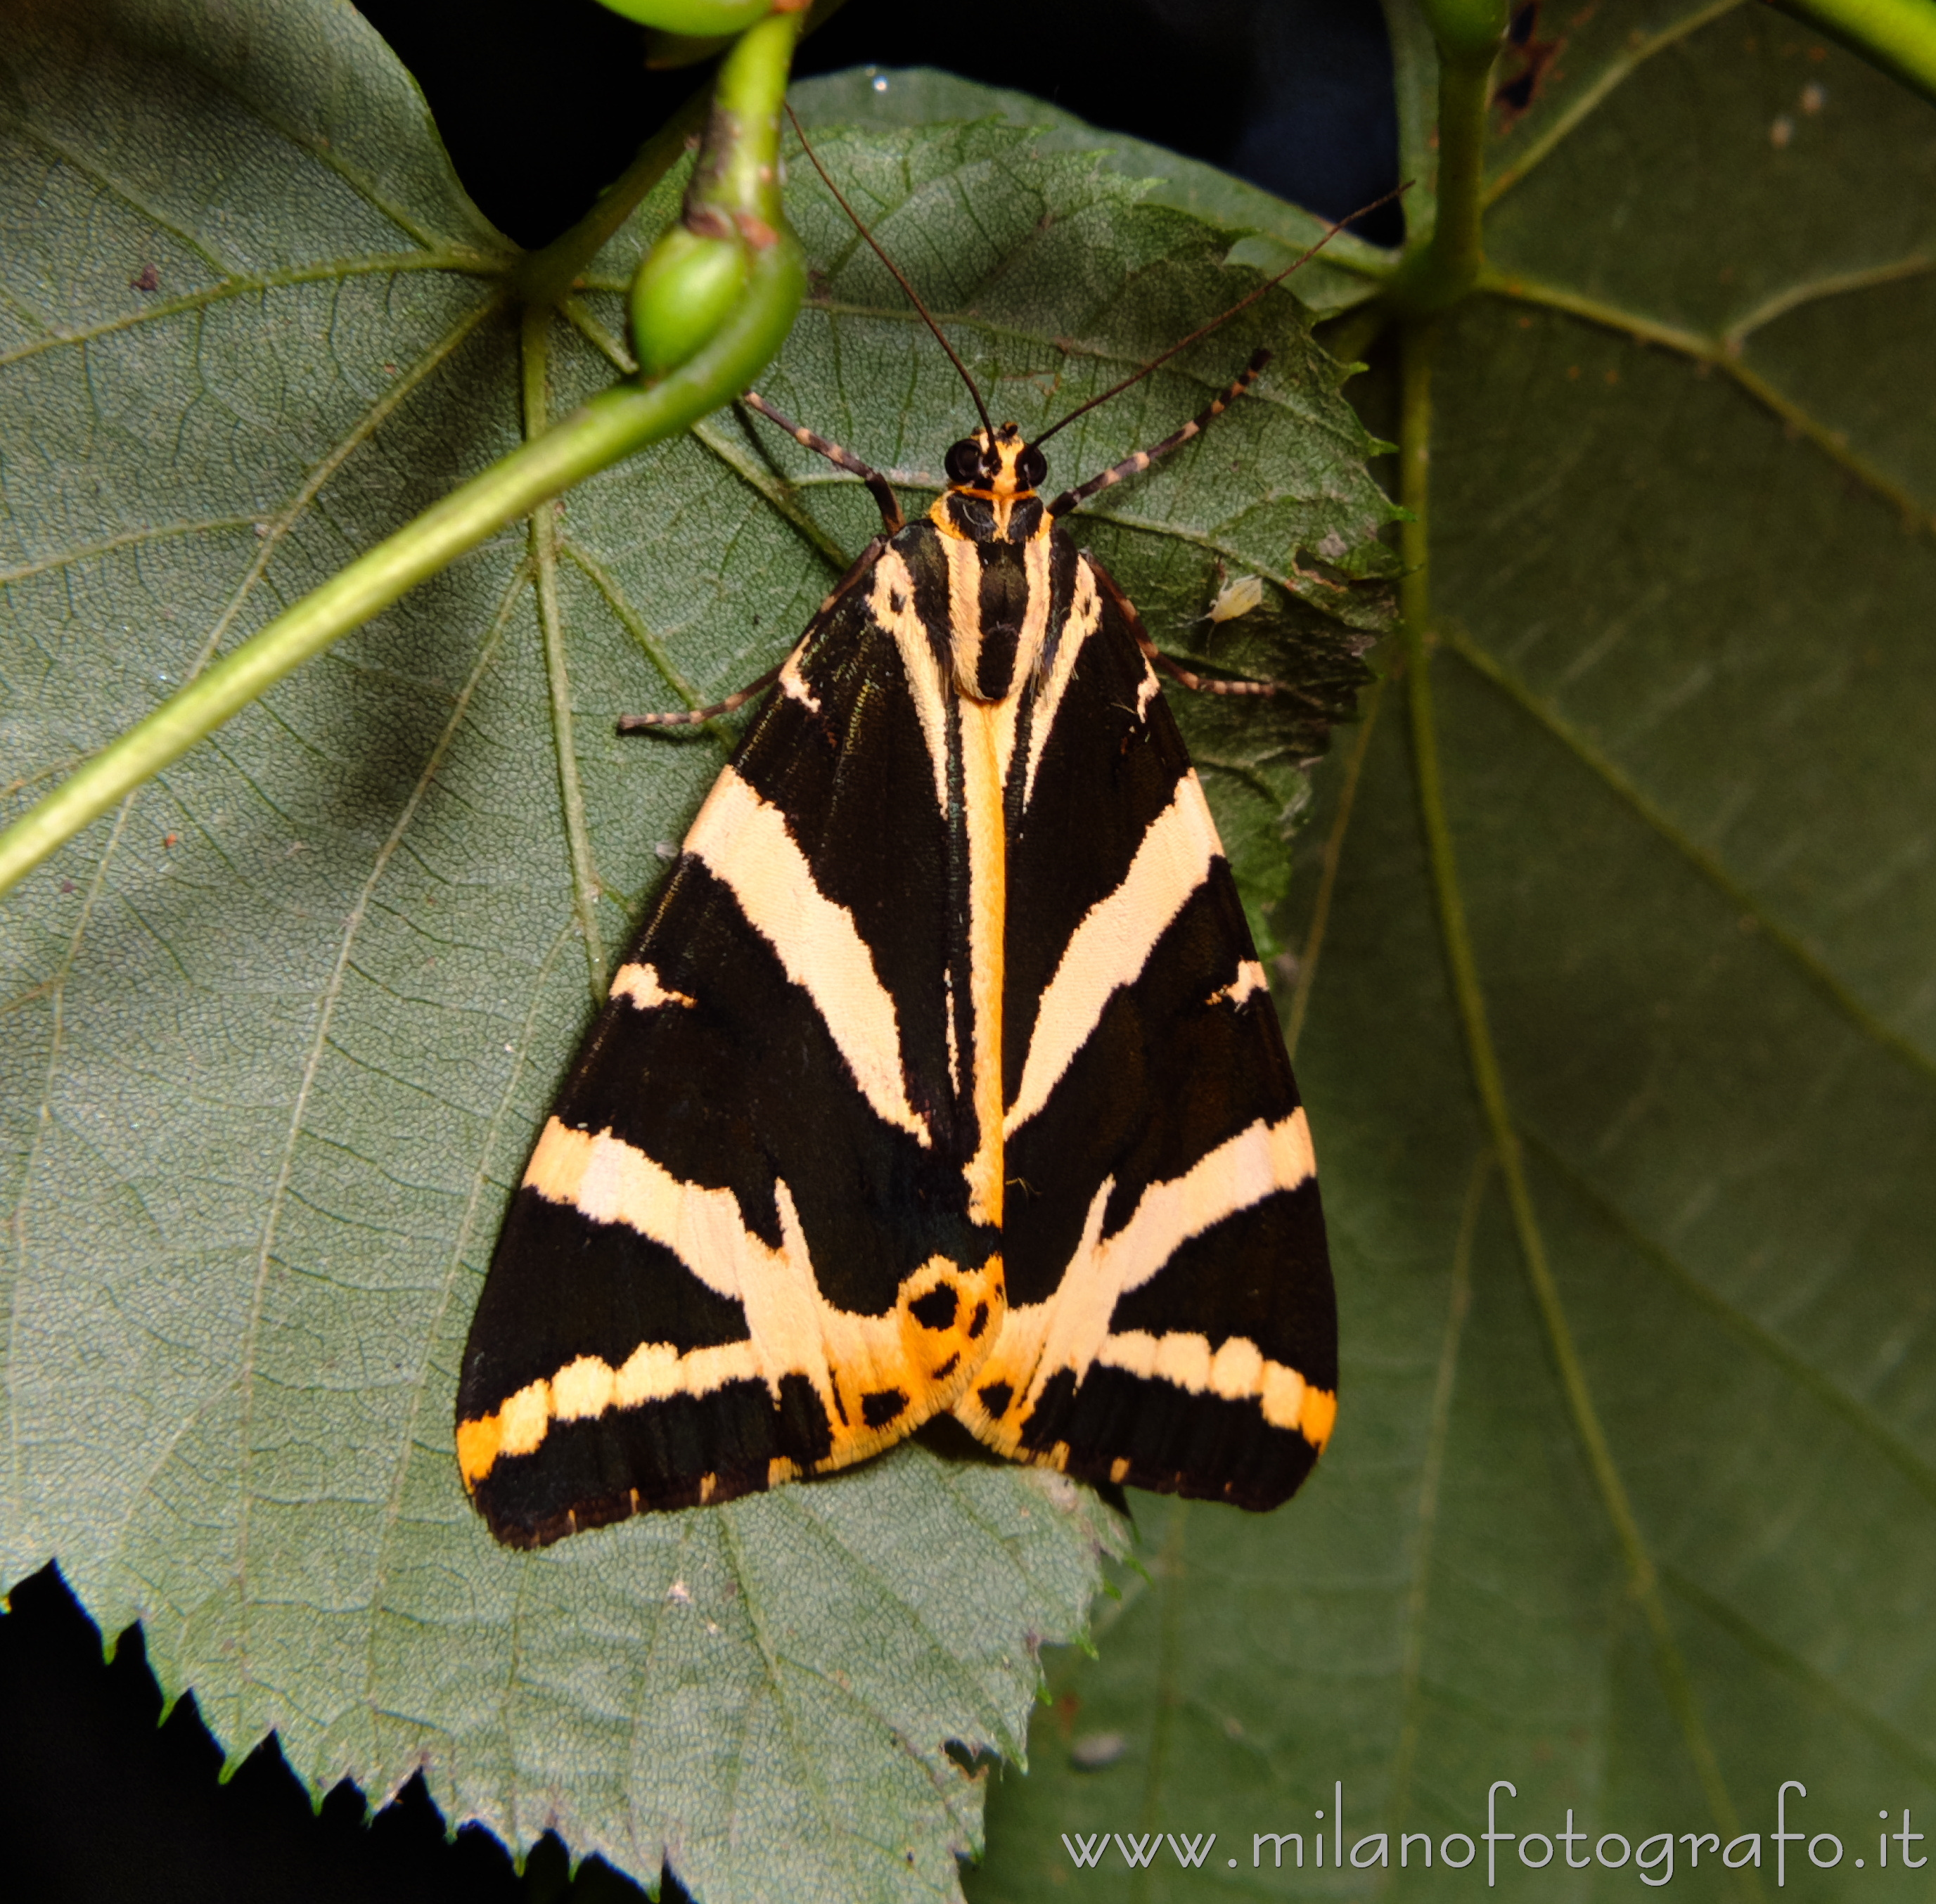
(1653, 1857)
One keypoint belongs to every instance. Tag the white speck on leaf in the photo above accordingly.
(1094, 1750)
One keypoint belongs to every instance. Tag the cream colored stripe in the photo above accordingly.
(1241, 1171)
(611, 1182)
(1238, 1371)
(1085, 614)
(964, 612)
(744, 841)
(1028, 651)
(891, 603)
(653, 1372)
(641, 984)
(982, 750)
(794, 683)
(1113, 943)
(1249, 981)
(791, 1328)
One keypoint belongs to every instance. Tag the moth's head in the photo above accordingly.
(997, 465)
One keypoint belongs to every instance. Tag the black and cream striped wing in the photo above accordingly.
(747, 1246)
(1171, 1321)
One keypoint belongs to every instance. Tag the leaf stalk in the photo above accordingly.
(1446, 267)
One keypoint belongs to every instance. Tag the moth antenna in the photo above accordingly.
(981, 408)
(1203, 330)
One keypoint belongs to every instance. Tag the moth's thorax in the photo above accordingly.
(993, 535)
(990, 607)
(979, 515)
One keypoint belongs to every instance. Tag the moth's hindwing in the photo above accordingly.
(1171, 1321)
(755, 1240)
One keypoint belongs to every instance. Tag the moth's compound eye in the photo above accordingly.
(964, 461)
(1031, 466)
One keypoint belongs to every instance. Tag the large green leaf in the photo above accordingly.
(275, 1038)
(1682, 495)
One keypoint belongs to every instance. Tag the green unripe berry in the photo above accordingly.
(701, 19)
(684, 290)
(1466, 30)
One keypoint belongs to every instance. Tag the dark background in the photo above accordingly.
(541, 103)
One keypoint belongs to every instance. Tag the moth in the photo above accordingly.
(941, 1075)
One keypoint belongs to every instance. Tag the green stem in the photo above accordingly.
(545, 277)
(1470, 34)
(1898, 35)
(752, 85)
(739, 168)
(1488, 1079)
(1415, 471)
(614, 424)
(1458, 248)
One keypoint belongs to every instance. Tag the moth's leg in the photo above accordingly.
(1197, 683)
(892, 520)
(1134, 465)
(634, 723)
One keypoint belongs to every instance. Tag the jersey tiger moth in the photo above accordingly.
(942, 1076)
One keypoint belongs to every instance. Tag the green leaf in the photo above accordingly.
(1680, 541)
(275, 1038)
(1347, 272)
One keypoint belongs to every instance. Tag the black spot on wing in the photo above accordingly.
(1166, 1076)
(1175, 1442)
(936, 1310)
(561, 1286)
(747, 1085)
(1264, 1273)
(1106, 771)
(881, 1407)
(584, 1472)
